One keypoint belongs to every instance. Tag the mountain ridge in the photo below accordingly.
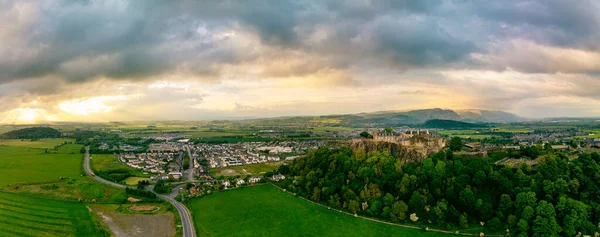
(396, 118)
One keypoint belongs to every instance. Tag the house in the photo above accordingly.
(560, 147)
(239, 182)
(175, 175)
(254, 180)
(226, 184)
(278, 177)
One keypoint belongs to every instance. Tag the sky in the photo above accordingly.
(110, 60)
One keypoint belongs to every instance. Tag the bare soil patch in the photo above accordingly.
(228, 172)
(138, 225)
(143, 208)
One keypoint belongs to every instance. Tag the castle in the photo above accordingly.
(416, 138)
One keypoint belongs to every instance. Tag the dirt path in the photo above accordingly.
(117, 232)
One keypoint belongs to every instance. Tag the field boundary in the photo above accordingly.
(380, 221)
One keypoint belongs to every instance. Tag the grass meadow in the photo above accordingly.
(132, 181)
(26, 216)
(42, 143)
(37, 172)
(106, 162)
(266, 211)
(26, 165)
(251, 169)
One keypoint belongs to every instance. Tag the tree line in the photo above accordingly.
(557, 197)
(141, 193)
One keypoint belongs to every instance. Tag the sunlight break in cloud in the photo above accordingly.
(90, 105)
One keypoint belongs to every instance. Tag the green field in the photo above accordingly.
(34, 171)
(332, 129)
(25, 165)
(108, 162)
(193, 133)
(252, 169)
(466, 133)
(134, 180)
(513, 129)
(25, 216)
(592, 133)
(266, 211)
(42, 143)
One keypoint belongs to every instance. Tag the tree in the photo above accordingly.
(388, 199)
(415, 203)
(495, 224)
(506, 204)
(399, 211)
(440, 211)
(456, 144)
(388, 130)
(463, 220)
(353, 206)
(548, 147)
(479, 178)
(467, 199)
(545, 222)
(366, 135)
(386, 212)
(161, 187)
(525, 199)
(573, 214)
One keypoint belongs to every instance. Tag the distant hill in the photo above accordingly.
(32, 133)
(391, 118)
(450, 124)
(478, 115)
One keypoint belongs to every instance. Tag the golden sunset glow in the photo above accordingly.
(301, 58)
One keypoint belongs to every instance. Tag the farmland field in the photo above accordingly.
(25, 216)
(24, 165)
(108, 167)
(134, 180)
(266, 211)
(193, 133)
(107, 162)
(466, 133)
(42, 143)
(332, 129)
(591, 133)
(513, 129)
(34, 172)
(252, 169)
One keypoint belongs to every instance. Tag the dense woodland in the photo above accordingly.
(32, 133)
(450, 124)
(557, 197)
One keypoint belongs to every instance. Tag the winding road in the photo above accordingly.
(184, 213)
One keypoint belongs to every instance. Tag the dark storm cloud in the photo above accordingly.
(82, 40)
(556, 22)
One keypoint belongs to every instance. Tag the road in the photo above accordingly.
(185, 215)
(191, 168)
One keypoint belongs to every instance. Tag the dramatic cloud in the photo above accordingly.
(228, 59)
